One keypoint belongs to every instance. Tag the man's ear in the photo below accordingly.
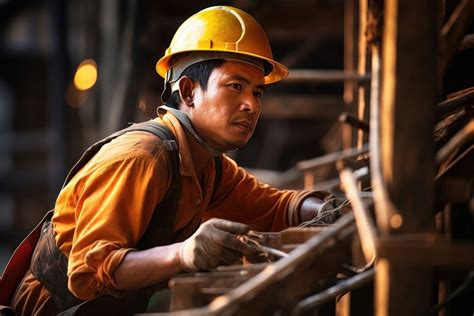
(186, 91)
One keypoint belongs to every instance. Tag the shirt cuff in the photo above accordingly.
(294, 206)
(97, 276)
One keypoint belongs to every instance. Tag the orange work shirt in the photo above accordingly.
(102, 213)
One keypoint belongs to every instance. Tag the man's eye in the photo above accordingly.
(258, 95)
(236, 86)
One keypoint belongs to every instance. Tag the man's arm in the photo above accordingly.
(241, 197)
(143, 268)
(214, 243)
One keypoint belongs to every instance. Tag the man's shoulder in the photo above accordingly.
(133, 143)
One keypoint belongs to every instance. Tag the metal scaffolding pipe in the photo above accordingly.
(354, 121)
(365, 226)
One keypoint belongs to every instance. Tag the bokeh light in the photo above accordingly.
(86, 75)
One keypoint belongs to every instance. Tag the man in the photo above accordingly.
(215, 71)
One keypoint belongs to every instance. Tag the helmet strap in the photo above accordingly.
(165, 95)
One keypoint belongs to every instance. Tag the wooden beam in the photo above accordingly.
(306, 19)
(302, 107)
(324, 76)
(426, 251)
(315, 163)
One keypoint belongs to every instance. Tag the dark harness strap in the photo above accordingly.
(218, 177)
(161, 131)
(49, 264)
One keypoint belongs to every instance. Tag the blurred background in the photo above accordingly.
(71, 72)
(75, 71)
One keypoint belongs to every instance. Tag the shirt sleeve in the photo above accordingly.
(242, 198)
(112, 213)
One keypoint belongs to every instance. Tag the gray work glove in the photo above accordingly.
(214, 243)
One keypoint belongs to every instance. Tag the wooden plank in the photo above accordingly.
(192, 290)
(196, 291)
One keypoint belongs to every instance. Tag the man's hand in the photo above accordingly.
(214, 243)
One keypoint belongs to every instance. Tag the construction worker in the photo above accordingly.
(98, 248)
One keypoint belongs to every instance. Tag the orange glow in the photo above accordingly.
(396, 221)
(86, 75)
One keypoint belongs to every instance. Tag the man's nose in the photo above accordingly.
(250, 104)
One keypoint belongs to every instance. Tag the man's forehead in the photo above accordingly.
(243, 71)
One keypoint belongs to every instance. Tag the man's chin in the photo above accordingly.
(236, 144)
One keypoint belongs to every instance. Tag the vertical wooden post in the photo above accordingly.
(343, 305)
(409, 47)
(355, 94)
(350, 56)
(408, 96)
(363, 58)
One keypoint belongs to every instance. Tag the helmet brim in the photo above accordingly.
(278, 72)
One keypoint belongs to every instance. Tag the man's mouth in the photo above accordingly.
(245, 125)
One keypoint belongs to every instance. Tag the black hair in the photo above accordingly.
(199, 72)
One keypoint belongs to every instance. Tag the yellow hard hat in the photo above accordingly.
(222, 29)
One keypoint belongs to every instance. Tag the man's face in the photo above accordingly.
(226, 113)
